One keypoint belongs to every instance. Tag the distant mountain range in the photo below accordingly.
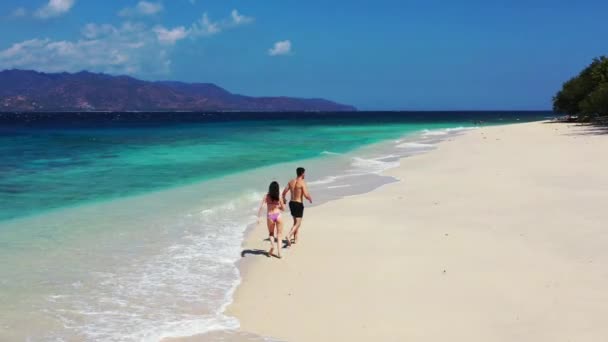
(24, 90)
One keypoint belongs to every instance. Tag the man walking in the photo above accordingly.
(298, 191)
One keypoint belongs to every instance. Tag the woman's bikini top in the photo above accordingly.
(274, 204)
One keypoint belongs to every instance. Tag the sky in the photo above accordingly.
(381, 54)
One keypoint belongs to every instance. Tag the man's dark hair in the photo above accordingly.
(300, 171)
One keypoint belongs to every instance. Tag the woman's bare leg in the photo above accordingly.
(271, 235)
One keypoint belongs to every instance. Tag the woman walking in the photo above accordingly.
(275, 206)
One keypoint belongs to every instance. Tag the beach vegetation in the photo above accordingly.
(586, 95)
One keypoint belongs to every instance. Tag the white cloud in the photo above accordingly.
(93, 31)
(130, 48)
(19, 12)
(142, 8)
(170, 36)
(239, 19)
(54, 8)
(207, 27)
(280, 48)
(149, 8)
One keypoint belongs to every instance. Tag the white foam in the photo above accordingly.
(181, 290)
(372, 165)
(429, 133)
(416, 146)
(339, 186)
(461, 128)
(445, 131)
(231, 206)
(326, 180)
(386, 157)
(330, 153)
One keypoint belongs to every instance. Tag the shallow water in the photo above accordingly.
(131, 233)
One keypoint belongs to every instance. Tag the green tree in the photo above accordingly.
(596, 103)
(587, 93)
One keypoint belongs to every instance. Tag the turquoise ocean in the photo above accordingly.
(128, 226)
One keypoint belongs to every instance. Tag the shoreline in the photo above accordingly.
(413, 138)
(166, 228)
(244, 264)
(422, 142)
(250, 270)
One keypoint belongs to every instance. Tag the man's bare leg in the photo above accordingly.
(296, 229)
(288, 236)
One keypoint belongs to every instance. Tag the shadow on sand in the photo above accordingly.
(258, 252)
(595, 129)
(247, 252)
(587, 128)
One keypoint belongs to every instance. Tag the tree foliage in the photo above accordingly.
(587, 93)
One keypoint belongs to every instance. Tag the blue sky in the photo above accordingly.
(382, 54)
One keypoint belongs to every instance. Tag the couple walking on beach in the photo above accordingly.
(275, 204)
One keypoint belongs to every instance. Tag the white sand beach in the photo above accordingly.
(499, 235)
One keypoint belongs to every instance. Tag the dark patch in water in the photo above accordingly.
(8, 189)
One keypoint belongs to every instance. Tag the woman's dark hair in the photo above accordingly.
(273, 191)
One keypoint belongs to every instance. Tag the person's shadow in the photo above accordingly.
(247, 252)
(261, 252)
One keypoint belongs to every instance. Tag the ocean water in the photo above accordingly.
(127, 226)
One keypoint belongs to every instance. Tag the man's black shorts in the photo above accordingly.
(297, 209)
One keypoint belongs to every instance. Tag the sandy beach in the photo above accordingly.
(498, 235)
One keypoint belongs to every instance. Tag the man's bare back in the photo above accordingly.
(297, 188)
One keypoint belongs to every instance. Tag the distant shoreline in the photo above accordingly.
(33, 91)
(281, 111)
(134, 119)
